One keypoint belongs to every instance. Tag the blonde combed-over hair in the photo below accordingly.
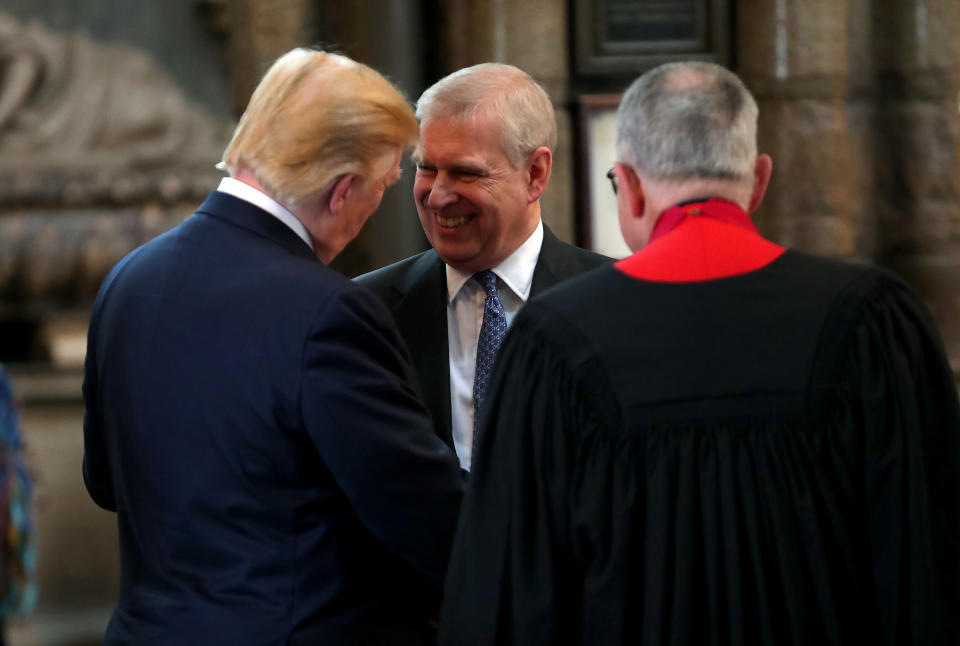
(314, 117)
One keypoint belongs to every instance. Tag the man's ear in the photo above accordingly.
(341, 191)
(762, 170)
(632, 188)
(538, 168)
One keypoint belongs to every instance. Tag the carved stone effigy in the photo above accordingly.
(99, 151)
(69, 103)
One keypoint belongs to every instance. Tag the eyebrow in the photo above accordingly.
(419, 159)
(466, 167)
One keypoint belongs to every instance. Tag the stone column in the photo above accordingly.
(793, 56)
(388, 36)
(259, 32)
(533, 36)
(917, 194)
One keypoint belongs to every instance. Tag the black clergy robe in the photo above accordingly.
(715, 441)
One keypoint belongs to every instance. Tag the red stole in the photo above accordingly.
(701, 241)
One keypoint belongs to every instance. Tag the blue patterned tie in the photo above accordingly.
(491, 336)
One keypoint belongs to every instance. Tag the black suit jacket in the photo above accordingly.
(415, 291)
(253, 419)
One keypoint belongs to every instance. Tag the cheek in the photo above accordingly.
(367, 209)
(423, 214)
(490, 193)
(421, 189)
(371, 211)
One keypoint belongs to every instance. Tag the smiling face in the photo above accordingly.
(475, 207)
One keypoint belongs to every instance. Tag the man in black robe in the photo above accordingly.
(716, 440)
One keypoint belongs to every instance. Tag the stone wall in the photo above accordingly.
(859, 109)
(102, 146)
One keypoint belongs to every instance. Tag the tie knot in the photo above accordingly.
(488, 280)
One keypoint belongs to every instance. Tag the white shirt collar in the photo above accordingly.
(260, 199)
(516, 271)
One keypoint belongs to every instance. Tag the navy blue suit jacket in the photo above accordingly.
(253, 419)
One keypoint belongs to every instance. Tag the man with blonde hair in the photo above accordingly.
(251, 415)
(717, 440)
(487, 135)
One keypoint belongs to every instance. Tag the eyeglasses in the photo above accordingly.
(614, 182)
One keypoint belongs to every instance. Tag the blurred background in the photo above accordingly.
(113, 114)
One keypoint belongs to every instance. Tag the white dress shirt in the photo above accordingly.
(258, 198)
(465, 299)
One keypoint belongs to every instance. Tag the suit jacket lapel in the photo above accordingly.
(549, 269)
(422, 314)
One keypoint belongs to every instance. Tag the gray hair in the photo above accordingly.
(504, 92)
(690, 120)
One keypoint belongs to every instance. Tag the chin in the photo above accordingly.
(455, 260)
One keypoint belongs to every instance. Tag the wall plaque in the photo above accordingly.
(614, 37)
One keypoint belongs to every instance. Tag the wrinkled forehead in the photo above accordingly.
(467, 138)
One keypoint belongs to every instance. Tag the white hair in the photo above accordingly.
(690, 120)
(505, 93)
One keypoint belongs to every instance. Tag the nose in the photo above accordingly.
(442, 192)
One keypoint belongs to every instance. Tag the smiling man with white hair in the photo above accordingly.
(487, 135)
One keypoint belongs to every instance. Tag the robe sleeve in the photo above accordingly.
(513, 576)
(911, 466)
